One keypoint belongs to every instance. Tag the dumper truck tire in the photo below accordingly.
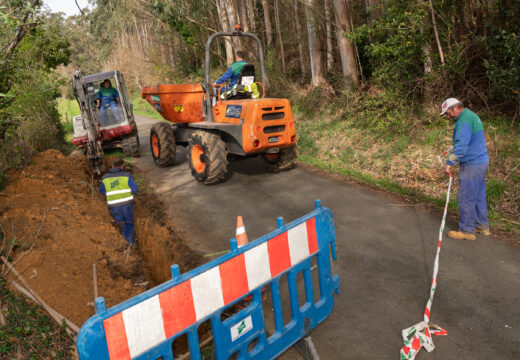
(284, 160)
(131, 146)
(207, 156)
(162, 144)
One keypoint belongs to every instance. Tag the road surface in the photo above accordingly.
(385, 252)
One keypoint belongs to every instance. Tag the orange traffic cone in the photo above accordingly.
(241, 237)
(241, 232)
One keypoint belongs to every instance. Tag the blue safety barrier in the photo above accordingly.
(146, 326)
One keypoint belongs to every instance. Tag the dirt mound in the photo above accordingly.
(55, 225)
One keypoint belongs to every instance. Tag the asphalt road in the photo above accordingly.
(385, 252)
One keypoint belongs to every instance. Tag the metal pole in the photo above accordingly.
(207, 66)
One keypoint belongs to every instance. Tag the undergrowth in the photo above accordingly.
(28, 332)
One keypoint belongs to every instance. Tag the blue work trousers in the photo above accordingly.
(103, 113)
(471, 197)
(124, 215)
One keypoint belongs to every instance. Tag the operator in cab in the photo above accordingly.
(107, 98)
(231, 75)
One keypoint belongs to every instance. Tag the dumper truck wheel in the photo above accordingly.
(131, 146)
(162, 143)
(207, 156)
(281, 161)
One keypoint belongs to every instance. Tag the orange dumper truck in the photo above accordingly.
(219, 126)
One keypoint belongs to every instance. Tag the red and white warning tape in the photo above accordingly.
(420, 335)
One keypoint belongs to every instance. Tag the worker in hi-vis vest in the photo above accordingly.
(120, 188)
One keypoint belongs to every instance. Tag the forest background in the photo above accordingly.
(365, 77)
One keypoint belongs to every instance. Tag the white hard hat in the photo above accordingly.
(447, 104)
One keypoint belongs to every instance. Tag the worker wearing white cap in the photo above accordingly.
(470, 151)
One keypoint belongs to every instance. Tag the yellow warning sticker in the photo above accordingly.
(178, 108)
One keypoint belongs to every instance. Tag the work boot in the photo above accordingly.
(461, 235)
(483, 230)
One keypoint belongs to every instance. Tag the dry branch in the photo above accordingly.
(18, 259)
(511, 221)
(43, 222)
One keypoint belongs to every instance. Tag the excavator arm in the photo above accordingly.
(93, 146)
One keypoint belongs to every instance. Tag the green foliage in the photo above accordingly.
(28, 328)
(29, 119)
(401, 143)
(105, 20)
(312, 102)
(46, 45)
(179, 17)
(495, 190)
(382, 112)
(502, 63)
(393, 43)
(480, 47)
(174, 14)
(84, 52)
(68, 109)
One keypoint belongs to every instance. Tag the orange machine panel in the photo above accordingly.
(266, 123)
(176, 103)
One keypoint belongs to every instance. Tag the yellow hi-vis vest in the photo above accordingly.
(118, 190)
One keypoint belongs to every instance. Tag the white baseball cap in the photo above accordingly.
(447, 104)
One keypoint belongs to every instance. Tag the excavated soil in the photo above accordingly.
(55, 225)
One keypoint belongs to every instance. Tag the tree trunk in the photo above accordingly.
(222, 15)
(279, 31)
(233, 20)
(328, 32)
(434, 23)
(138, 34)
(243, 16)
(251, 15)
(428, 65)
(268, 27)
(316, 64)
(171, 40)
(346, 48)
(300, 39)
(23, 28)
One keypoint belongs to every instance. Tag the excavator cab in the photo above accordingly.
(96, 130)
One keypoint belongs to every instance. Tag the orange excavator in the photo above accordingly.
(219, 126)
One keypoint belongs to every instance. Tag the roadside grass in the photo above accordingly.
(359, 140)
(143, 108)
(27, 332)
(68, 109)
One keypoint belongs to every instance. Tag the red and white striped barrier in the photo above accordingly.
(139, 328)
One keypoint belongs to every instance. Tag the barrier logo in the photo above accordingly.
(241, 328)
(156, 98)
(233, 111)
